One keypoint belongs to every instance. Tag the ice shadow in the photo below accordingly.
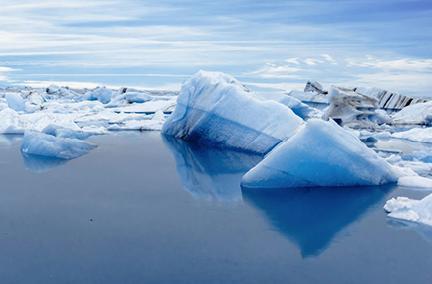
(41, 164)
(312, 217)
(210, 173)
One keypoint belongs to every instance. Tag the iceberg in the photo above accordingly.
(350, 108)
(411, 210)
(321, 154)
(41, 144)
(214, 108)
(420, 113)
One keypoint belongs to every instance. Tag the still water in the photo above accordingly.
(144, 209)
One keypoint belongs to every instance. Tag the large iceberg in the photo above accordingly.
(214, 108)
(403, 208)
(320, 154)
(41, 144)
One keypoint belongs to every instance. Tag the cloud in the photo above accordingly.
(401, 64)
(406, 75)
(4, 71)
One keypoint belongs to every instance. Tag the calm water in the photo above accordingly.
(140, 209)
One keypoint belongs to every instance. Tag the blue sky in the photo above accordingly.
(274, 45)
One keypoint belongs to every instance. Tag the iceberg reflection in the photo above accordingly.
(312, 217)
(210, 173)
(40, 164)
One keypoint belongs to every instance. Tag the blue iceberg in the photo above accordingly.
(214, 108)
(320, 154)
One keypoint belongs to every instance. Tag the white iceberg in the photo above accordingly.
(214, 108)
(41, 144)
(420, 113)
(15, 101)
(403, 208)
(321, 154)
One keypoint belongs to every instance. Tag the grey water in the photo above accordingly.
(142, 208)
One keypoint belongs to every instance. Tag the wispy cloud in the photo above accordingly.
(268, 42)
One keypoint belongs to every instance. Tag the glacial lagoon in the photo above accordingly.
(142, 208)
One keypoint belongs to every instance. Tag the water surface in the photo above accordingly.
(142, 209)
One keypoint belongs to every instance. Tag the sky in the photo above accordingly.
(268, 45)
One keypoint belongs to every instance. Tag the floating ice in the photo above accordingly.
(320, 154)
(301, 109)
(416, 134)
(15, 101)
(420, 113)
(415, 181)
(42, 144)
(403, 208)
(350, 108)
(214, 108)
(101, 94)
(10, 122)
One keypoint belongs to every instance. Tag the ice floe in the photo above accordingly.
(403, 208)
(41, 144)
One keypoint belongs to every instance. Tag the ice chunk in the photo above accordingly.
(320, 154)
(416, 134)
(403, 208)
(301, 109)
(348, 107)
(137, 97)
(15, 101)
(101, 94)
(214, 108)
(420, 113)
(314, 87)
(61, 132)
(41, 144)
(415, 181)
(10, 122)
